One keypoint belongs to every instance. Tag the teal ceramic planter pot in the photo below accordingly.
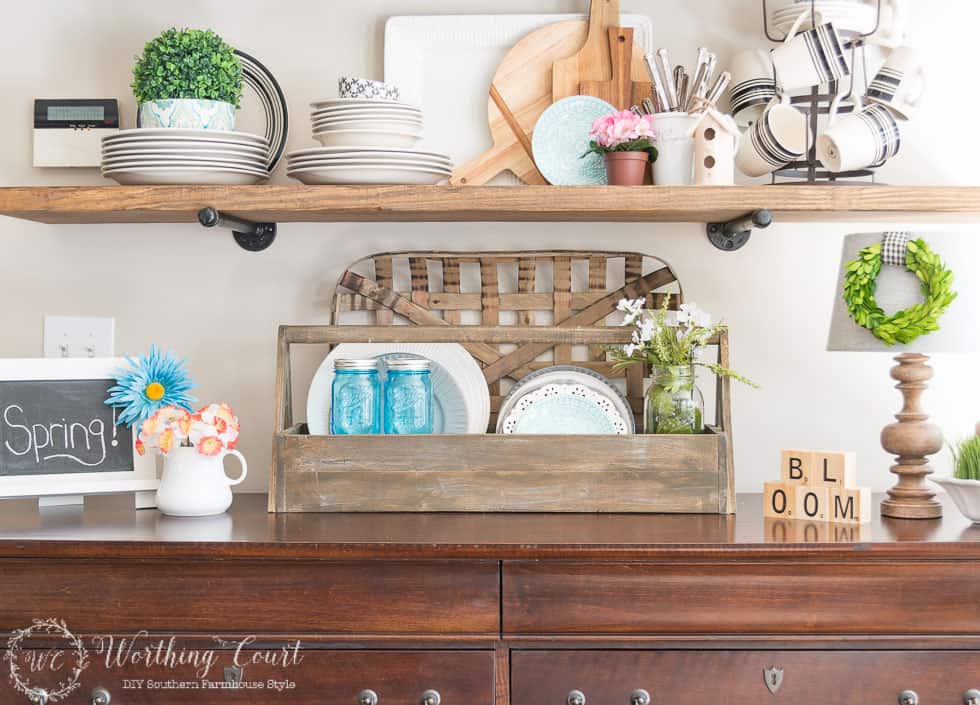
(188, 113)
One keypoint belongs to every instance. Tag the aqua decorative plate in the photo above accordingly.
(561, 137)
(565, 409)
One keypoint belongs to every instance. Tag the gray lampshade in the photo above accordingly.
(898, 289)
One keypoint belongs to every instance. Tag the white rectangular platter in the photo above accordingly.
(445, 64)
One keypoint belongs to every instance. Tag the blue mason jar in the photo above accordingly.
(355, 399)
(408, 397)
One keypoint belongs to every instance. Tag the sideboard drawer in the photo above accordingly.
(741, 598)
(738, 677)
(319, 678)
(255, 597)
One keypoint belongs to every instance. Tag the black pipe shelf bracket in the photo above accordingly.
(250, 236)
(733, 235)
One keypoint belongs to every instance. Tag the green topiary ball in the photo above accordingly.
(188, 63)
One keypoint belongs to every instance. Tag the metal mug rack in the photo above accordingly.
(818, 103)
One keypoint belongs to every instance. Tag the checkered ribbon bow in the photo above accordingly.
(894, 247)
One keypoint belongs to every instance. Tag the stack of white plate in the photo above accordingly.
(179, 156)
(355, 122)
(367, 166)
(848, 16)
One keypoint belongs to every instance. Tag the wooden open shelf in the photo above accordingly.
(295, 203)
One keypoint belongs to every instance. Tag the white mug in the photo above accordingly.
(753, 85)
(778, 138)
(900, 83)
(810, 58)
(862, 139)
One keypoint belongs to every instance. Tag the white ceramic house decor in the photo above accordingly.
(716, 138)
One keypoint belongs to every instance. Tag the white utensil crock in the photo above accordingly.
(195, 485)
(675, 149)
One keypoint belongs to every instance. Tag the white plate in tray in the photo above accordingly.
(461, 399)
(565, 409)
(445, 65)
(567, 374)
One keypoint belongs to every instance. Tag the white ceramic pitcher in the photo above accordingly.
(195, 485)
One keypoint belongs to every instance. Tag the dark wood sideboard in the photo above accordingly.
(505, 609)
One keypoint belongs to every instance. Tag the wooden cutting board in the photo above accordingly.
(519, 93)
(621, 90)
(593, 61)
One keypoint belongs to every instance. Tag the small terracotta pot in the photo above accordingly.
(626, 168)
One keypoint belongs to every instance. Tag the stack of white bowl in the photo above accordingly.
(367, 141)
(179, 156)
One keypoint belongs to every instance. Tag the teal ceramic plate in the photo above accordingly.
(561, 137)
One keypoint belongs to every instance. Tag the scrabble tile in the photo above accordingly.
(834, 469)
(780, 500)
(796, 466)
(812, 503)
(850, 505)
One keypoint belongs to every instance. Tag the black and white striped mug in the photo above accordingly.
(810, 58)
(865, 138)
(778, 138)
(753, 85)
(900, 83)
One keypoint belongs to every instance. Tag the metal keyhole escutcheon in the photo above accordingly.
(367, 697)
(575, 697)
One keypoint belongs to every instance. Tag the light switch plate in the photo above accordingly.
(77, 336)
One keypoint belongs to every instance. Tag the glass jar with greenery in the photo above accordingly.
(674, 402)
(670, 343)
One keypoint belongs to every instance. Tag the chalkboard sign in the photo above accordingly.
(60, 426)
(59, 442)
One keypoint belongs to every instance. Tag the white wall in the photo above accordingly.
(190, 289)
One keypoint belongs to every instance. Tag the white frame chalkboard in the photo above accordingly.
(142, 479)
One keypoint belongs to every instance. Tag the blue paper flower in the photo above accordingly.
(150, 383)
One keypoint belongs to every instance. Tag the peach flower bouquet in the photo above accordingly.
(210, 430)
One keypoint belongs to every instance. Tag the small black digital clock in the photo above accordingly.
(78, 113)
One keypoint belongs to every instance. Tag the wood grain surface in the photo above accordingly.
(736, 678)
(421, 598)
(299, 204)
(312, 678)
(741, 598)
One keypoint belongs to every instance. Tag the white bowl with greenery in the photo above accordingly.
(964, 486)
(190, 79)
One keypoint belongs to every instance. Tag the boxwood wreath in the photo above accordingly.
(905, 326)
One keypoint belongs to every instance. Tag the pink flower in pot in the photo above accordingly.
(626, 140)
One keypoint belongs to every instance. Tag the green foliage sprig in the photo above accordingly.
(657, 343)
(966, 458)
(860, 282)
(188, 63)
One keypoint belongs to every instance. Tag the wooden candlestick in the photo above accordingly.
(911, 440)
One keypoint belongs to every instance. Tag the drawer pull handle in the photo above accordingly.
(37, 696)
(101, 696)
(575, 697)
(971, 697)
(431, 697)
(908, 697)
(367, 697)
(639, 697)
